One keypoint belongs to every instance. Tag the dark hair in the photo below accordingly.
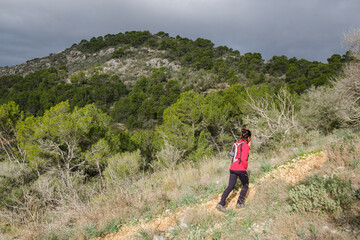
(245, 134)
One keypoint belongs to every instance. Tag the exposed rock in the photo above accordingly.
(106, 52)
(160, 62)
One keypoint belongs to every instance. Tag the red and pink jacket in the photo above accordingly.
(235, 166)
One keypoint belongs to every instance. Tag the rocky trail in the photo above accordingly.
(291, 172)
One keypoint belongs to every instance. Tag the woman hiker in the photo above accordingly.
(238, 169)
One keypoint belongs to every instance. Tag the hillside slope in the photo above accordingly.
(129, 126)
(130, 67)
(292, 172)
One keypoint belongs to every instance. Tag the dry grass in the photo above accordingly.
(134, 199)
(266, 216)
(288, 225)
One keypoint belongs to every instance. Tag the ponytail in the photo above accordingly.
(245, 134)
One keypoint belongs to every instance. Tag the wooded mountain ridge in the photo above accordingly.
(120, 71)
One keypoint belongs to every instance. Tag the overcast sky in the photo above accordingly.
(310, 29)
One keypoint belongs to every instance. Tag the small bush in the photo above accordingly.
(14, 181)
(320, 110)
(113, 226)
(340, 191)
(91, 231)
(355, 163)
(321, 195)
(121, 52)
(121, 166)
(357, 193)
(168, 156)
(265, 166)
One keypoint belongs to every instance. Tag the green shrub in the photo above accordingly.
(340, 191)
(121, 166)
(91, 231)
(113, 226)
(121, 52)
(355, 163)
(319, 110)
(357, 193)
(265, 166)
(14, 179)
(321, 195)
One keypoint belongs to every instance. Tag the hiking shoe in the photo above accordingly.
(240, 205)
(221, 208)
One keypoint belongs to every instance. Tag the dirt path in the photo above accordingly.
(291, 172)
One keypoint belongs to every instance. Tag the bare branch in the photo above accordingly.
(277, 113)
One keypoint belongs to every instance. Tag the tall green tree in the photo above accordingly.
(59, 139)
(196, 125)
(10, 115)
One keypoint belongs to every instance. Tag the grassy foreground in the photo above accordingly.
(275, 212)
(325, 205)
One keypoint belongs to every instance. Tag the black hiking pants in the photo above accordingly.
(232, 180)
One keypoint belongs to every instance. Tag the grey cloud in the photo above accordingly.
(304, 29)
